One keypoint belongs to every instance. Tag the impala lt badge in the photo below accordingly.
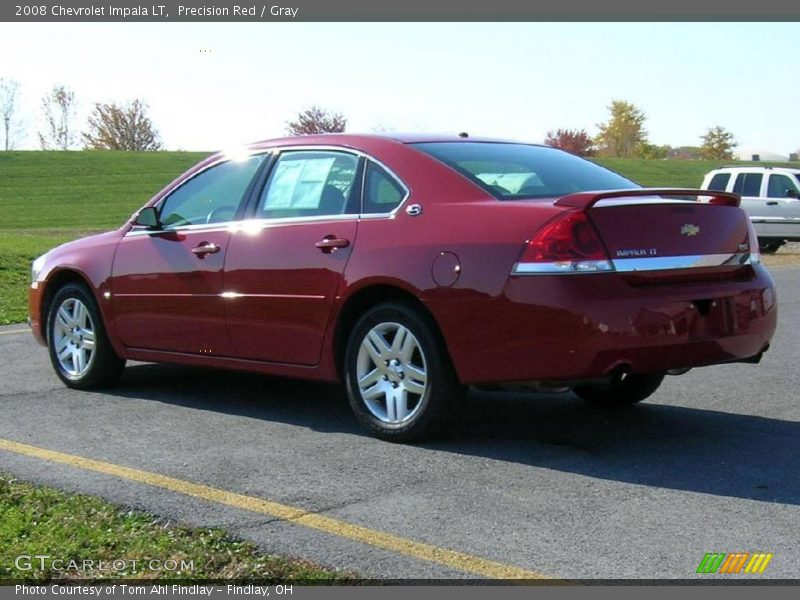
(690, 230)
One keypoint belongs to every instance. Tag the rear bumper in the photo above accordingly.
(574, 328)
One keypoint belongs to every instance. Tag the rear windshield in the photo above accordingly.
(513, 171)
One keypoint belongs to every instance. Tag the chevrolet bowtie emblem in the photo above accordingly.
(690, 230)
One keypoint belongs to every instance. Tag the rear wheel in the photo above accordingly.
(632, 389)
(80, 351)
(399, 379)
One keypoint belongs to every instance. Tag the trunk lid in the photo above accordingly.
(661, 234)
(670, 232)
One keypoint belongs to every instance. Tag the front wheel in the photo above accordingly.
(398, 375)
(80, 351)
(632, 389)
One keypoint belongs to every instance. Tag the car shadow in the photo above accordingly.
(674, 447)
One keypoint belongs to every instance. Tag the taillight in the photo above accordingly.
(567, 244)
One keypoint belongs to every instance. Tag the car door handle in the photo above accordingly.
(205, 248)
(330, 243)
(772, 203)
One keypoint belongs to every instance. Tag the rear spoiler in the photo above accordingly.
(586, 200)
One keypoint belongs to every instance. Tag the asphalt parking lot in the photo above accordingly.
(542, 483)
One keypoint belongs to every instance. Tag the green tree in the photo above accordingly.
(316, 120)
(121, 127)
(623, 135)
(718, 144)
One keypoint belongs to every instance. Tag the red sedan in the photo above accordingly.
(409, 268)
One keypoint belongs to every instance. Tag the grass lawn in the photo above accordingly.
(47, 198)
(37, 520)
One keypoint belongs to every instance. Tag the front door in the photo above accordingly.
(167, 284)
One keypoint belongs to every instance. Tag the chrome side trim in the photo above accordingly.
(661, 263)
(775, 219)
(565, 267)
(242, 225)
(631, 265)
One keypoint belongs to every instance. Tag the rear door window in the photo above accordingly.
(307, 183)
(748, 184)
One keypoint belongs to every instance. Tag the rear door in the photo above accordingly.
(763, 211)
(167, 284)
(285, 264)
(782, 205)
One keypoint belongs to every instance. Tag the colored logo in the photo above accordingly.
(690, 230)
(736, 562)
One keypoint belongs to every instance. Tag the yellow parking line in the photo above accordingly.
(13, 331)
(379, 539)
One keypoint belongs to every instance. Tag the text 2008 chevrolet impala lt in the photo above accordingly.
(409, 268)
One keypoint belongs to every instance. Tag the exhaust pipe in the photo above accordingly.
(619, 374)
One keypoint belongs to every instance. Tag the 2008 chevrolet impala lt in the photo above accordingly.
(408, 268)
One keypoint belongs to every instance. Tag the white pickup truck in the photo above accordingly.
(770, 197)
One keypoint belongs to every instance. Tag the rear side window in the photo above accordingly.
(719, 182)
(310, 183)
(780, 186)
(382, 193)
(510, 171)
(748, 184)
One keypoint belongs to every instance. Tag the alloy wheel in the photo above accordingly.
(392, 373)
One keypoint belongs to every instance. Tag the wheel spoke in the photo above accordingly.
(414, 387)
(396, 405)
(80, 314)
(415, 373)
(400, 336)
(376, 345)
(369, 379)
(80, 361)
(63, 318)
(87, 344)
(64, 353)
(376, 391)
(61, 343)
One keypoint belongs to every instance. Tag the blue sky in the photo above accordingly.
(513, 80)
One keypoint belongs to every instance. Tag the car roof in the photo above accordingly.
(757, 168)
(355, 139)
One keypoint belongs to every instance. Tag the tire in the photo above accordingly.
(770, 247)
(401, 389)
(631, 390)
(80, 351)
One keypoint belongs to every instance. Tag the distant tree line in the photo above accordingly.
(624, 136)
(128, 126)
(110, 126)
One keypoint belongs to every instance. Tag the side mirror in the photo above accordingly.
(792, 194)
(148, 217)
